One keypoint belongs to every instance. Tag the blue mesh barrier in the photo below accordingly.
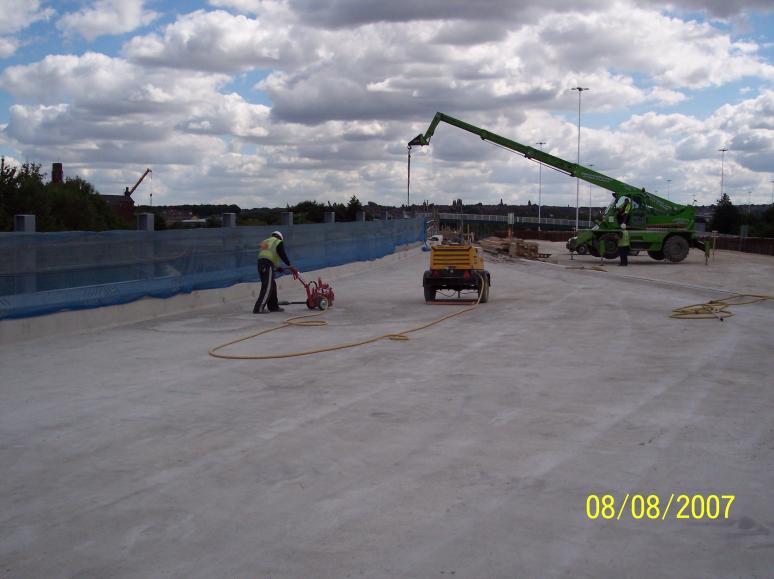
(42, 273)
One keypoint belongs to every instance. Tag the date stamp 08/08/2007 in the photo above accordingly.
(653, 507)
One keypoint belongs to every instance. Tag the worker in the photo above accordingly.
(272, 249)
(624, 211)
(623, 246)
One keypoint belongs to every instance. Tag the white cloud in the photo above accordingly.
(8, 46)
(348, 86)
(16, 16)
(19, 15)
(244, 6)
(213, 41)
(97, 110)
(107, 17)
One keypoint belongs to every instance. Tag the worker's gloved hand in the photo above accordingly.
(294, 271)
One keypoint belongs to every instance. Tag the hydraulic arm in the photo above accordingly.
(567, 167)
(663, 228)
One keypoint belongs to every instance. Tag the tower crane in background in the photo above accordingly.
(128, 192)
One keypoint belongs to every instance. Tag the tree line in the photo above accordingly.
(76, 205)
(727, 218)
(71, 205)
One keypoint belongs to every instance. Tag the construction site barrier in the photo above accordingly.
(761, 245)
(41, 273)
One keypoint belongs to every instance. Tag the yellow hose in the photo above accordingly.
(717, 309)
(305, 321)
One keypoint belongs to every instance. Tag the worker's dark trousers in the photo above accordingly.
(268, 296)
(623, 253)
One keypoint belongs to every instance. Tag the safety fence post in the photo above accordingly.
(145, 222)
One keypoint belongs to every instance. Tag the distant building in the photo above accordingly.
(122, 205)
(57, 173)
(177, 215)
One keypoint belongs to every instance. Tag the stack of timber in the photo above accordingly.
(512, 247)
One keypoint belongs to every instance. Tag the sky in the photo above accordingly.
(273, 102)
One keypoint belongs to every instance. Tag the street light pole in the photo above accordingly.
(772, 191)
(669, 187)
(580, 90)
(722, 166)
(590, 165)
(540, 182)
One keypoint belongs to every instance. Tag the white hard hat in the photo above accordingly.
(623, 225)
(278, 234)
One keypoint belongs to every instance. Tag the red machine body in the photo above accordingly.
(319, 295)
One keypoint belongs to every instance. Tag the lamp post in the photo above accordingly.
(669, 187)
(590, 165)
(580, 90)
(540, 182)
(772, 191)
(722, 166)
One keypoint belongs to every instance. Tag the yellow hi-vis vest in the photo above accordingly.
(624, 239)
(269, 250)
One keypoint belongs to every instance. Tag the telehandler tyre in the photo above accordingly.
(676, 248)
(611, 245)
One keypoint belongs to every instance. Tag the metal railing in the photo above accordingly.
(497, 218)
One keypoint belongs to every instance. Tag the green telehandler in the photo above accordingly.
(662, 228)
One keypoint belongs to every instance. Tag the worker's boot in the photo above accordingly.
(278, 310)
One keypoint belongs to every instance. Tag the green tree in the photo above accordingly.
(764, 225)
(353, 207)
(725, 218)
(309, 212)
(74, 204)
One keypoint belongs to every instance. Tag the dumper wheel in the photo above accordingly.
(657, 255)
(676, 248)
(483, 291)
(582, 249)
(429, 294)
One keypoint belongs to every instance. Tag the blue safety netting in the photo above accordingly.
(42, 273)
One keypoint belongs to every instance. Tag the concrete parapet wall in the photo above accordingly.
(45, 273)
(77, 321)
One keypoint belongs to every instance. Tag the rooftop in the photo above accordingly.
(468, 451)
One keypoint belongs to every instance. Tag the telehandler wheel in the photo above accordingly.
(657, 255)
(676, 248)
(582, 249)
(611, 245)
(429, 293)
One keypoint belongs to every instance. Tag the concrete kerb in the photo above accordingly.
(79, 321)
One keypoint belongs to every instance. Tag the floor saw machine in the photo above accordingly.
(319, 295)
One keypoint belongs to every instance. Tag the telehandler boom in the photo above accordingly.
(662, 228)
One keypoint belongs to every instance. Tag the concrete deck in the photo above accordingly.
(466, 452)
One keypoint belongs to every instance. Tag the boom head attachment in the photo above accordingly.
(419, 141)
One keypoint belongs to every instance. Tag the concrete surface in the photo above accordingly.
(467, 452)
